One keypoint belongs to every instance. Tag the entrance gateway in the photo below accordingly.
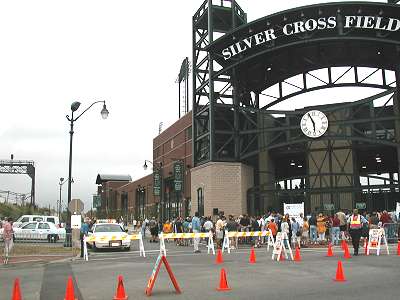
(250, 155)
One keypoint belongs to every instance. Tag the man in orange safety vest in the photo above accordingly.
(355, 224)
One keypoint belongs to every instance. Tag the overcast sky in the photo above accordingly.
(126, 52)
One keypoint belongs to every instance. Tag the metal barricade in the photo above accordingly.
(392, 232)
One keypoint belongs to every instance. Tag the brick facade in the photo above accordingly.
(224, 187)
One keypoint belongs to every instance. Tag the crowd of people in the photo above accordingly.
(303, 231)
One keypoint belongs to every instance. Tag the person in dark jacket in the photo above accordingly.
(313, 228)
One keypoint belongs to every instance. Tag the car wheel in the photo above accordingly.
(127, 248)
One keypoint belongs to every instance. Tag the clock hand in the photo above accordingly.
(313, 123)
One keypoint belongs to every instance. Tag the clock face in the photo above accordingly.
(314, 123)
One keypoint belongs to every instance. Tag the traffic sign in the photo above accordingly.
(76, 206)
(76, 222)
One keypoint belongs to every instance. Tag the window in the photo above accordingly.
(25, 219)
(200, 201)
(30, 226)
(37, 219)
(43, 226)
(52, 220)
(108, 228)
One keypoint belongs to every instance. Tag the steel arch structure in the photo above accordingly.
(239, 77)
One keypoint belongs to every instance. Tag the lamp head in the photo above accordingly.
(61, 179)
(145, 165)
(104, 112)
(75, 106)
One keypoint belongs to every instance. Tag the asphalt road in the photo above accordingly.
(198, 276)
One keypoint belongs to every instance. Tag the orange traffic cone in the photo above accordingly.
(339, 272)
(223, 283)
(343, 244)
(252, 258)
(16, 295)
(219, 259)
(365, 246)
(69, 293)
(346, 252)
(330, 251)
(398, 248)
(297, 256)
(120, 294)
(282, 258)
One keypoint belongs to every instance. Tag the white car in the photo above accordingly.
(35, 218)
(39, 231)
(110, 236)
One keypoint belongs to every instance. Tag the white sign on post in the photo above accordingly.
(398, 211)
(375, 240)
(279, 246)
(76, 221)
(294, 210)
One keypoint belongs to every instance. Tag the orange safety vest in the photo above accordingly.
(355, 222)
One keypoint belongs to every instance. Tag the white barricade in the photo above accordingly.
(209, 235)
(105, 238)
(375, 239)
(267, 233)
(279, 246)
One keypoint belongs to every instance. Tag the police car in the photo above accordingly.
(108, 236)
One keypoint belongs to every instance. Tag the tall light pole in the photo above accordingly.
(62, 181)
(74, 107)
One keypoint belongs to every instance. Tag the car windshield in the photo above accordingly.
(108, 228)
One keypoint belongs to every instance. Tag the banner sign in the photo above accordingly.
(156, 182)
(361, 205)
(96, 201)
(271, 34)
(294, 209)
(178, 176)
(329, 206)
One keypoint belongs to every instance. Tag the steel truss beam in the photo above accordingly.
(208, 20)
(20, 167)
(325, 80)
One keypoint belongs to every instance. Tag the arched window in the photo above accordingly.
(200, 201)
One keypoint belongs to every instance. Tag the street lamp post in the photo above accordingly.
(62, 181)
(72, 119)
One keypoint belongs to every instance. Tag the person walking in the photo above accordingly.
(153, 225)
(355, 224)
(84, 232)
(273, 227)
(285, 229)
(305, 231)
(296, 233)
(219, 231)
(335, 229)
(321, 228)
(8, 235)
(313, 228)
(343, 224)
(196, 227)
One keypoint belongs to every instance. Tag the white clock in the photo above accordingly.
(314, 123)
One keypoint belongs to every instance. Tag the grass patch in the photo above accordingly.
(21, 249)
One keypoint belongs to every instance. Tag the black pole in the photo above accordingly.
(71, 133)
(59, 205)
